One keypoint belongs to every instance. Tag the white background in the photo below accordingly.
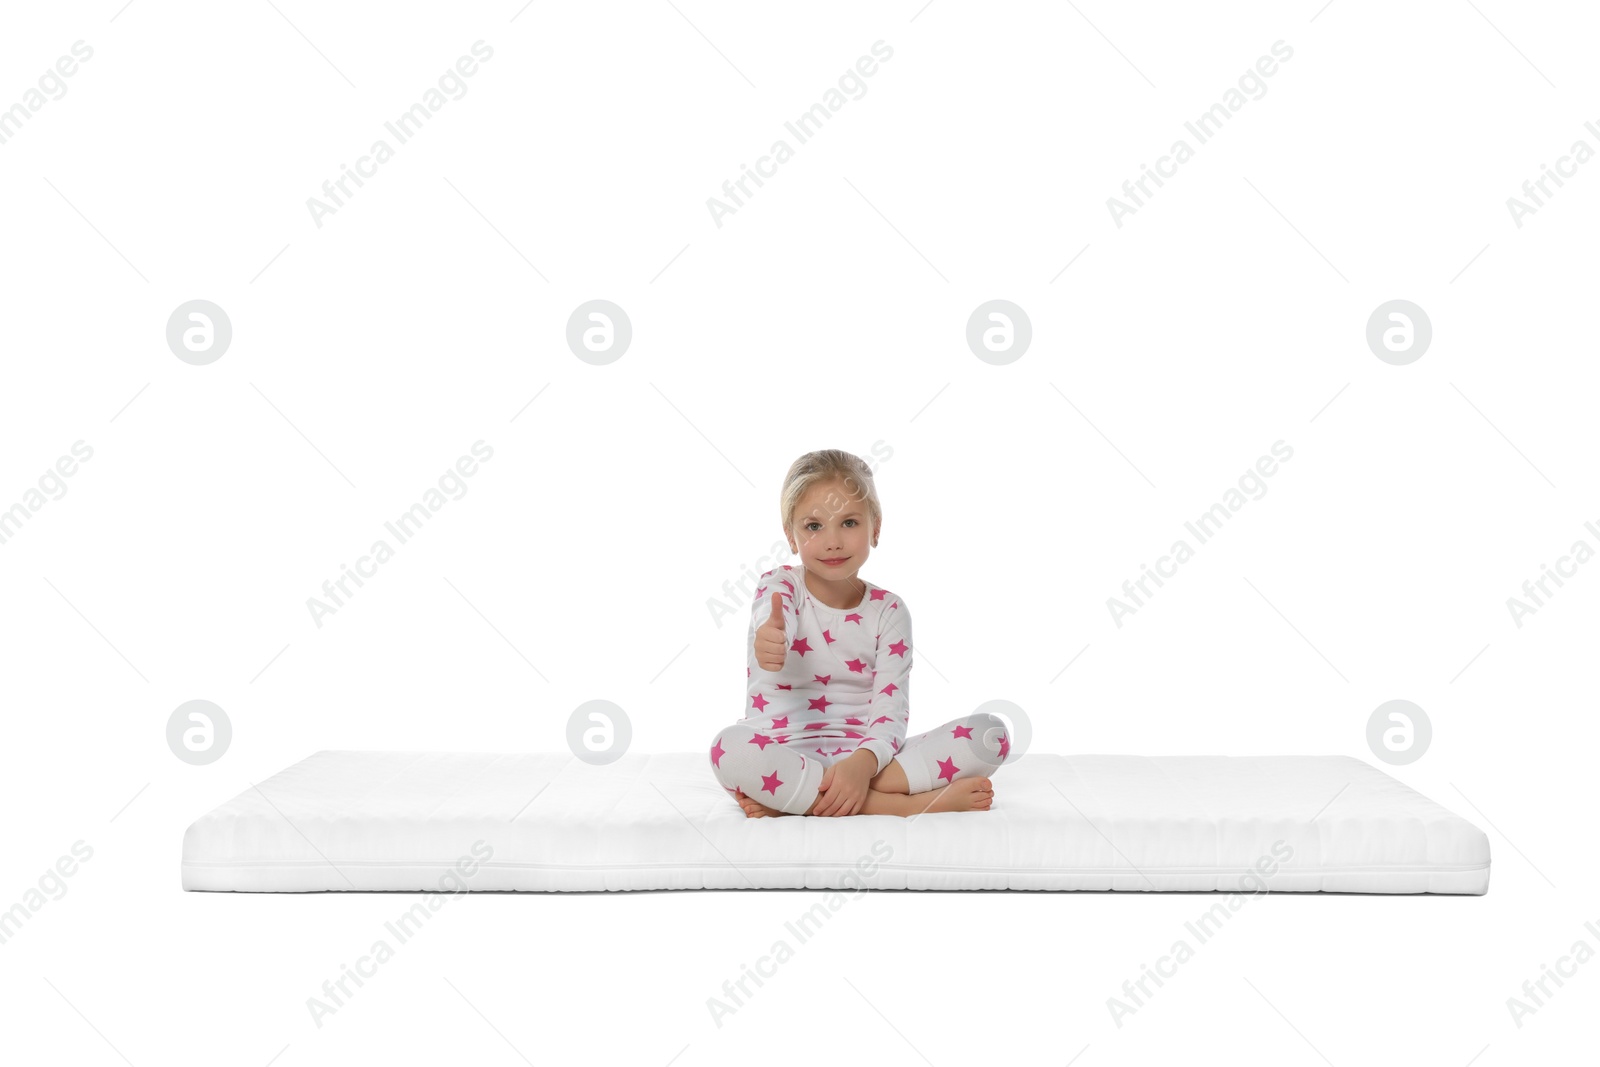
(829, 311)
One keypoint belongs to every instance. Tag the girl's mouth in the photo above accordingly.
(835, 562)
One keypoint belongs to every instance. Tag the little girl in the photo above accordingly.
(829, 676)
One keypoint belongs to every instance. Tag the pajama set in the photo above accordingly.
(845, 684)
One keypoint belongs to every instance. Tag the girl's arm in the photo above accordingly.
(777, 581)
(889, 713)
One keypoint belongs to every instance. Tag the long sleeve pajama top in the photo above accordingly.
(845, 682)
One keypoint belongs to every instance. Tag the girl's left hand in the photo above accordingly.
(844, 785)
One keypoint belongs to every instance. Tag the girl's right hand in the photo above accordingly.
(769, 643)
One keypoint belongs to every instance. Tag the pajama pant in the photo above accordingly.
(788, 776)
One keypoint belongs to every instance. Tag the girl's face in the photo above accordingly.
(830, 531)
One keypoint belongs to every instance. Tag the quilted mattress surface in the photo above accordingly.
(452, 821)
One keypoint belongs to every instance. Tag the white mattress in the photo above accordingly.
(549, 822)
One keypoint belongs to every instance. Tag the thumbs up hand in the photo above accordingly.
(771, 643)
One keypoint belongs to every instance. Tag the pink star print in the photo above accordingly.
(717, 753)
(889, 689)
(823, 678)
(853, 721)
(948, 769)
(853, 617)
(961, 731)
(855, 665)
(770, 783)
(761, 741)
(828, 638)
(880, 718)
(879, 594)
(1005, 746)
(782, 739)
(854, 733)
(816, 726)
(819, 704)
(781, 721)
(801, 646)
(781, 686)
(760, 702)
(898, 648)
(840, 751)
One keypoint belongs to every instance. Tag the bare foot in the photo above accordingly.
(754, 809)
(963, 794)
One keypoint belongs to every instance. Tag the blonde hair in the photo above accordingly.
(829, 464)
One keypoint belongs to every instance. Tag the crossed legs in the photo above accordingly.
(886, 795)
(944, 769)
